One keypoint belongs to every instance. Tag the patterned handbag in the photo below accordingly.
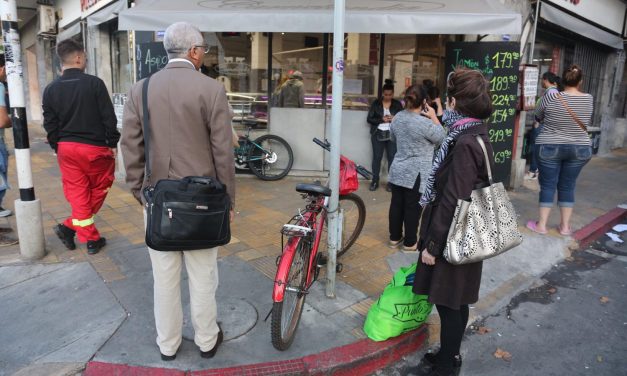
(484, 226)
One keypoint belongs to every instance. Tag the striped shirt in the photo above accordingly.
(558, 126)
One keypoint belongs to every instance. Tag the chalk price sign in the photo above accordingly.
(498, 61)
(151, 57)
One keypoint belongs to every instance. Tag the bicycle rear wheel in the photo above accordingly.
(270, 157)
(354, 219)
(286, 314)
(353, 222)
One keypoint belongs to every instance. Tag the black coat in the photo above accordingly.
(375, 114)
(462, 170)
(77, 108)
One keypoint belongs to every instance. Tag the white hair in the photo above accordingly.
(179, 38)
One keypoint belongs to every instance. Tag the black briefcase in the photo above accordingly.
(187, 214)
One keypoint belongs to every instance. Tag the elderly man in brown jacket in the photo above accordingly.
(190, 136)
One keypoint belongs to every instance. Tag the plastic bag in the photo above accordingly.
(348, 176)
(398, 310)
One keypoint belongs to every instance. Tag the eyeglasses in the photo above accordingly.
(204, 47)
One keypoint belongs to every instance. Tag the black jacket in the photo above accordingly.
(77, 108)
(375, 114)
(462, 170)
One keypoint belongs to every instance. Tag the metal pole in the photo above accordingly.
(270, 75)
(535, 27)
(325, 70)
(381, 64)
(27, 209)
(335, 134)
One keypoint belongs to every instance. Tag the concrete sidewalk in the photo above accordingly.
(71, 310)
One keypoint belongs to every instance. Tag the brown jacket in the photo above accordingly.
(462, 170)
(190, 129)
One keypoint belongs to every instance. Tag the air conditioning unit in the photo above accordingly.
(47, 20)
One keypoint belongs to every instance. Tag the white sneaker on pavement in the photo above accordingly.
(5, 212)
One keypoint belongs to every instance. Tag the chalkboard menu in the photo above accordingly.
(151, 57)
(498, 61)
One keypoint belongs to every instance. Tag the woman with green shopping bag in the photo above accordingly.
(458, 168)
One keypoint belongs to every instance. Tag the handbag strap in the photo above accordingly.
(572, 113)
(487, 160)
(146, 125)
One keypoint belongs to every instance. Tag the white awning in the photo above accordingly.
(316, 16)
(106, 14)
(69, 32)
(580, 27)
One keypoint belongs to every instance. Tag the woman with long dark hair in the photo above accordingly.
(459, 166)
(380, 116)
(416, 131)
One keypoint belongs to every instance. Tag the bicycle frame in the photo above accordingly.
(243, 150)
(316, 214)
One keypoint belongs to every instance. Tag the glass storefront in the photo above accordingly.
(240, 62)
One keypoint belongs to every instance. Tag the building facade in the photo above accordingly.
(253, 64)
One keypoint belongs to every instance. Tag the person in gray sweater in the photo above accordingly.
(416, 131)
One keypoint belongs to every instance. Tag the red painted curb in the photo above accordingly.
(359, 358)
(598, 226)
(364, 356)
(109, 369)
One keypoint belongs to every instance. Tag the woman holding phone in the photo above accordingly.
(380, 116)
(416, 131)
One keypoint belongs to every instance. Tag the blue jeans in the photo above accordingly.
(4, 165)
(533, 164)
(559, 167)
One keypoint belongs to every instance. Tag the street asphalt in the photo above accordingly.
(571, 322)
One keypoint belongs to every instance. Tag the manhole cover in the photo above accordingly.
(236, 316)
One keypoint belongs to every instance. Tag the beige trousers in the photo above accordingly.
(202, 269)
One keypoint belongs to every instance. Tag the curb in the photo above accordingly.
(587, 234)
(359, 358)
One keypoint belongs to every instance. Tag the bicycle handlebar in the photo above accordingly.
(361, 170)
(323, 144)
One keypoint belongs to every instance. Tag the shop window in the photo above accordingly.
(239, 62)
(294, 53)
(361, 70)
(411, 59)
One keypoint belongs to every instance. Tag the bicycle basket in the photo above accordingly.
(348, 176)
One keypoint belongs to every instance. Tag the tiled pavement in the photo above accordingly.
(262, 208)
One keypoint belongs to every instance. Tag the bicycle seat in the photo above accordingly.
(314, 189)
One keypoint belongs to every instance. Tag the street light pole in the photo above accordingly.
(336, 127)
(27, 207)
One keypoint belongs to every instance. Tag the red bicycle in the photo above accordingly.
(303, 240)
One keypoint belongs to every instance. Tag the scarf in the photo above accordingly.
(456, 124)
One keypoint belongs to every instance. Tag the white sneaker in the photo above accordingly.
(5, 212)
(531, 175)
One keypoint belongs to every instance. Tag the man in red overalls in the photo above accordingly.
(81, 125)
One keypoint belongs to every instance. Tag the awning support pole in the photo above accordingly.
(335, 134)
(535, 28)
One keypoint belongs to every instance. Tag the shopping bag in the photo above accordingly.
(398, 310)
(348, 176)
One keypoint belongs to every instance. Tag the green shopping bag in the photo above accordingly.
(398, 310)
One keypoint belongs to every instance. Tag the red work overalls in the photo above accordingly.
(87, 174)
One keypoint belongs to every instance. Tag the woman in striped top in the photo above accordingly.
(563, 148)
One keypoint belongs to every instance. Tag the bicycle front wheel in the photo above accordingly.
(270, 157)
(286, 314)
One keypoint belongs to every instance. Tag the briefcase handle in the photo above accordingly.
(204, 180)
